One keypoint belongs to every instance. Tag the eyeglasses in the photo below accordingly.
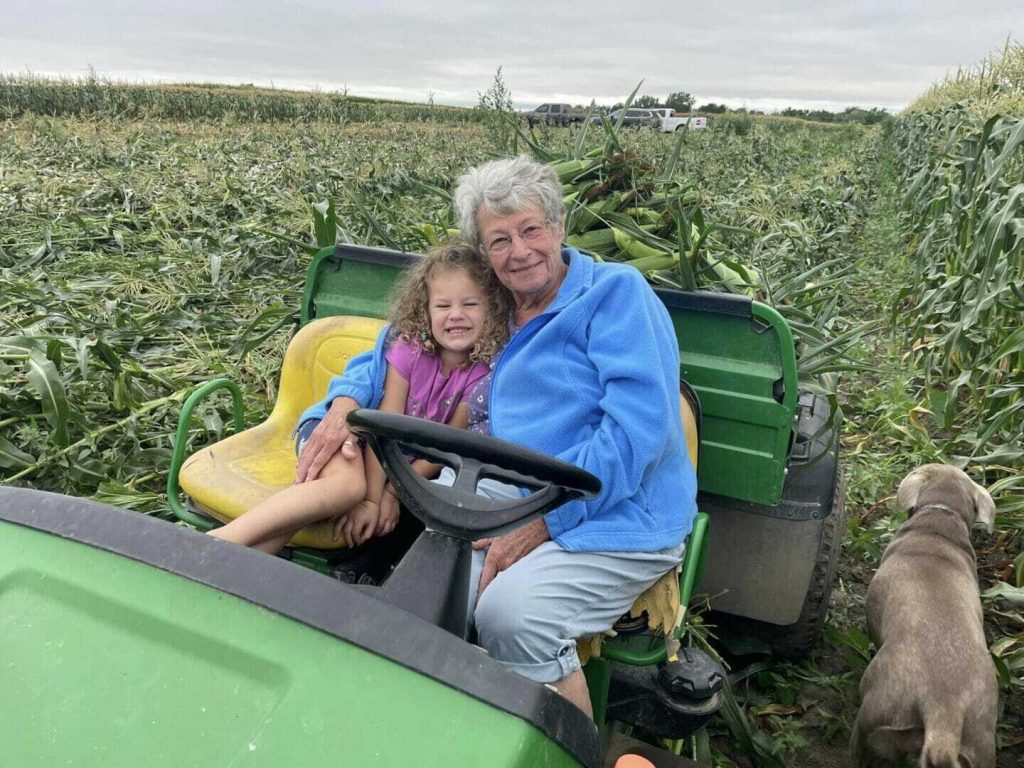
(501, 244)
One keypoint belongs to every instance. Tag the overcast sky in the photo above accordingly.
(762, 55)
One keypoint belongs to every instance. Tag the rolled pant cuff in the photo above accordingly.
(567, 662)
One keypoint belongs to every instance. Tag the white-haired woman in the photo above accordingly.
(590, 375)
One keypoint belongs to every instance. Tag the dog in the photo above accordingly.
(931, 689)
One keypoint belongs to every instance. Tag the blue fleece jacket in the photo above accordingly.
(593, 380)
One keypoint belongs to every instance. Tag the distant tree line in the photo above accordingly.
(849, 115)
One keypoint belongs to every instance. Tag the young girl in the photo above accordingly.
(448, 319)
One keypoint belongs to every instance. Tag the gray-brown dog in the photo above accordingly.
(931, 689)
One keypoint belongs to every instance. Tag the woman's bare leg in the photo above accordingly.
(270, 524)
(574, 688)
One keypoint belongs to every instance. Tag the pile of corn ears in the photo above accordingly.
(618, 209)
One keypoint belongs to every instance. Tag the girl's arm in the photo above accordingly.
(459, 420)
(370, 517)
(389, 501)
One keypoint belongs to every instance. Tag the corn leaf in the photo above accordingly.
(12, 457)
(44, 379)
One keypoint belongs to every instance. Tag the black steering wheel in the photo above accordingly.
(459, 511)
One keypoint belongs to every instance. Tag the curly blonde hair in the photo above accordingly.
(410, 311)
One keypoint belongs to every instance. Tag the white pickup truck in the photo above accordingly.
(671, 121)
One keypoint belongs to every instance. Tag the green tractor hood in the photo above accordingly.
(130, 641)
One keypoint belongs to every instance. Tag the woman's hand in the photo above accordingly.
(330, 436)
(504, 551)
(360, 523)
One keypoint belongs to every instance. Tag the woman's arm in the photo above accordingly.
(635, 356)
(396, 392)
(349, 390)
(326, 440)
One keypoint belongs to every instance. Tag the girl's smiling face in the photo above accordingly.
(457, 309)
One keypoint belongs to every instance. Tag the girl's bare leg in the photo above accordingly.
(270, 524)
(276, 544)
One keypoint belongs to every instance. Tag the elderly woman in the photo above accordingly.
(590, 375)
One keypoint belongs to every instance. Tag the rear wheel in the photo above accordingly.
(796, 640)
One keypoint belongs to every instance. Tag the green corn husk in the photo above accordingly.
(598, 239)
(568, 170)
(653, 263)
(587, 216)
(738, 277)
(644, 215)
(633, 248)
(593, 240)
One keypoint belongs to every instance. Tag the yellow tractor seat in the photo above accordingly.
(230, 477)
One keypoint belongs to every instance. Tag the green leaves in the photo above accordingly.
(12, 457)
(1013, 595)
(325, 223)
(966, 202)
(44, 379)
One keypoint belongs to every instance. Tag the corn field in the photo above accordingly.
(964, 307)
(152, 239)
(94, 97)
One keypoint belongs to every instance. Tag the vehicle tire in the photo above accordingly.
(795, 641)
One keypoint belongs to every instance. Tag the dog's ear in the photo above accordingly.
(910, 488)
(984, 506)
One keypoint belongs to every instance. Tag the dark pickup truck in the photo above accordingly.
(555, 114)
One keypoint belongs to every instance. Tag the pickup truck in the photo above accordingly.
(554, 114)
(634, 118)
(672, 121)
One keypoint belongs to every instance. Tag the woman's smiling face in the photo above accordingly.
(525, 253)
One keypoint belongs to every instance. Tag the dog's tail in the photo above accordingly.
(941, 748)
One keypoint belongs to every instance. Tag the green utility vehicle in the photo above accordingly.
(130, 641)
(768, 472)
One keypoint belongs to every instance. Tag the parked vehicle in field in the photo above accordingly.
(555, 114)
(671, 121)
(633, 118)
